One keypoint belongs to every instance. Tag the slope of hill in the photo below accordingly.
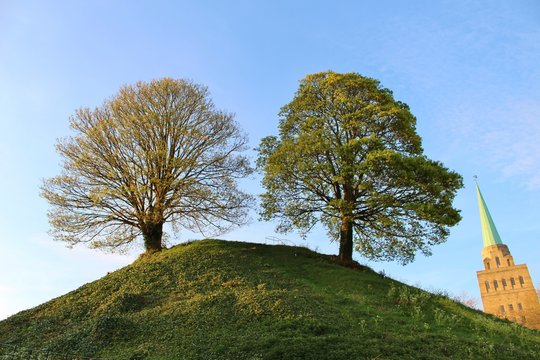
(231, 300)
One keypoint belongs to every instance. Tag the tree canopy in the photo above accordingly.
(157, 152)
(348, 156)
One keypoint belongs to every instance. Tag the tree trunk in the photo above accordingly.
(346, 239)
(152, 238)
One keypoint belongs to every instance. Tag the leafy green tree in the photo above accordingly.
(348, 155)
(154, 153)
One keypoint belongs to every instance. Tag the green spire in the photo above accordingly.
(489, 231)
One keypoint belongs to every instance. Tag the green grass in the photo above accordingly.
(231, 300)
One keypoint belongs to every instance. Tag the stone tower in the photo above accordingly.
(507, 289)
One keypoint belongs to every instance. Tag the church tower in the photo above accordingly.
(507, 289)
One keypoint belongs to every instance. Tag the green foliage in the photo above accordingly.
(229, 300)
(155, 153)
(348, 155)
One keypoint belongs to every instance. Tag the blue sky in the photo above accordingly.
(468, 70)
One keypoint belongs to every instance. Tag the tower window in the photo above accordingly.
(495, 284)
(501, 308)
(508, 261)
(503, 283)
(512, 282)
(521, 281)
(497, 261)
(511, 307)
(487, 286)
(488, 266)
(520, 307)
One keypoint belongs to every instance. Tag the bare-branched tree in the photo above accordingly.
(468, 300)
(156, 152)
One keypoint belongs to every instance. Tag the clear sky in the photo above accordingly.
(469, 70)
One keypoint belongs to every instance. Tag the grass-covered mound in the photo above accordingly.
(231, 300)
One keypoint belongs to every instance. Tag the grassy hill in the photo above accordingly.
(230, 300)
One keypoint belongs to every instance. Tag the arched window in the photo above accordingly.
(503, 281)
(487, 286)
(508, 261)
(497, 261)
(487, 265)
(501, 308)
(521, 281)
(495, 284)
(512, 282)
(520, 307)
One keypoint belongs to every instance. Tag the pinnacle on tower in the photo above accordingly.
(507, 289)
(489, 231)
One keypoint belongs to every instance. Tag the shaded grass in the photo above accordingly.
(230, 300)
